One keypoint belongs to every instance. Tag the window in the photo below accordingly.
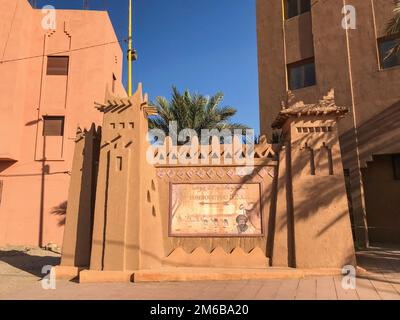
(347, 180)
(296, 7)
(53, 126)
(312, 161)
(396, 166)
(57, 65)
(384, 45)
(301, 74)
(114, 80)
(328, 153)
(119, 163)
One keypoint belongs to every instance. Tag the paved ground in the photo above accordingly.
(21, 268)
(20, 273)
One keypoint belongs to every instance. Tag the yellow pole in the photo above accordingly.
(130, 50)
(284, 40)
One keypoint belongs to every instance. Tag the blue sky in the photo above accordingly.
(202, 45)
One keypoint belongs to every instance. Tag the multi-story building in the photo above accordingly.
(54, 65)
(312, 46)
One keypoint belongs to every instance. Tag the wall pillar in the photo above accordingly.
(318, 220)
(79, 219)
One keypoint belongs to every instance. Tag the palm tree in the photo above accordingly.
(193, 111)
(393, 29)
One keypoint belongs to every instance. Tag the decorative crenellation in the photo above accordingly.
(236, 153)
(118, 105)
(320, 129)
(84, 133)
(213, 174)
(292, 108)
(122, 125)
(114, 105)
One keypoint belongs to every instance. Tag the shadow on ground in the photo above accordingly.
(26, 262)
(382, 263)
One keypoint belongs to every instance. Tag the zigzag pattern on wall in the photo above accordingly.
(218, 257)
(212, 173)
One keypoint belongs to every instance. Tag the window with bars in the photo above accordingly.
(57, 65)
(53, 126)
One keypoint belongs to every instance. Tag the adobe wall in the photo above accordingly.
(321, 222)
(153, 213)
(245, 249)
(81, 198)
(133, 192)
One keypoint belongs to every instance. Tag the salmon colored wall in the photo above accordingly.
(27, 94)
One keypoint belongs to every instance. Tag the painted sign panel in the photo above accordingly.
(215, 210)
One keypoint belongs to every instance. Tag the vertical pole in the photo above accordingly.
(130, 50)
(284, 40)
(42, 195)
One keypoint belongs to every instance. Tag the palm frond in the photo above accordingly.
(393, 52)
(393, 26)
(193, 111)
(393, 29)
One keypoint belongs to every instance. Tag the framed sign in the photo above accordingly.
(215, 210)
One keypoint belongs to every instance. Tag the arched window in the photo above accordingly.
(312, 160)
(329, 158)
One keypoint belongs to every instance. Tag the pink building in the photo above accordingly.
(49, 82)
